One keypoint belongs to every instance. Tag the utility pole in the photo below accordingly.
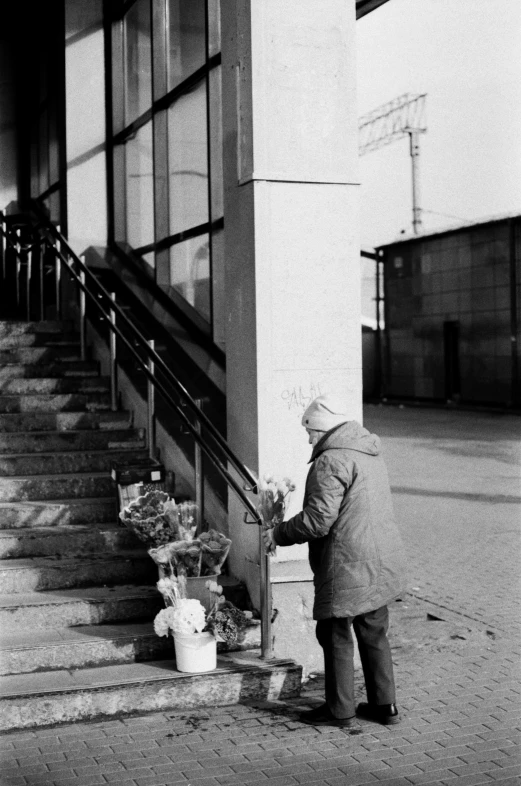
(400, 117)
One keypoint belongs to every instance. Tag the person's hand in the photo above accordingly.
(267, 537)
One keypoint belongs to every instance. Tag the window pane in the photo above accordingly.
(44, 152)
(149, 259)
(216, 143)
(54, 150)
(190, 272)
(140, 188)
(214, 27)
(218, 289)
(187, 39)
(138, 82)
(188, 160)
(35, 181)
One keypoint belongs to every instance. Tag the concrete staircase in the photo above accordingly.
(77, 592)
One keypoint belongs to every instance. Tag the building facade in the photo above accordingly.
(453, 315)
(214, 145)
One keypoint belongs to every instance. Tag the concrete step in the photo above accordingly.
(57, 369)
(23, 652)
(55, 402)
(69, 461)
(56, 487)
(50, 385)
(42, 699)
(71, 541)
(15, 327)
(36, 339)
(46, 441)
(52, 573)
(81, 647)
(67, 608)
(63, 512)
(41, 354)
(63, 421)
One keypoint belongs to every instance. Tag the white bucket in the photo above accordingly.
(195, 652)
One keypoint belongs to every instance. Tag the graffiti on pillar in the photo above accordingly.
(301, 396)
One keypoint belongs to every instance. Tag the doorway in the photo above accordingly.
(451, 332)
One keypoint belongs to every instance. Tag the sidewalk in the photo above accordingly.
(455, 640)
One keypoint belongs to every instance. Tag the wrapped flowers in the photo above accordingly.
(169, 531)
(215, 548)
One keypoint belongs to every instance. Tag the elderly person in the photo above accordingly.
(357, 558)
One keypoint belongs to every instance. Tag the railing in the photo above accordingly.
(48, 237)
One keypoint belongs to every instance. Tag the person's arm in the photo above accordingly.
(327, 484)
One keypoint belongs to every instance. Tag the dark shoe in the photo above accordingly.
(379, 713)
(322, 716)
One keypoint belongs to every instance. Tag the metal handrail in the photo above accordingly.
(63, 251)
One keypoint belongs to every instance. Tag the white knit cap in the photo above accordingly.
(324, 413)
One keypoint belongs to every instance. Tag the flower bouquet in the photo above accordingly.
(153, 517)
(273, 498)
(214, 550)
(180, 558)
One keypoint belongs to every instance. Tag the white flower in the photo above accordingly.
(163, 622)
(189, 616)
(212, 586)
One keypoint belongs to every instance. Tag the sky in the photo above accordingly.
(466, 55)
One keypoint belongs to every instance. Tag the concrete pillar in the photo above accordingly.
(291, 234)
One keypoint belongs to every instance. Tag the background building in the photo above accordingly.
(453, 315)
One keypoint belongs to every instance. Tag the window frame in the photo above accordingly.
(118, 134)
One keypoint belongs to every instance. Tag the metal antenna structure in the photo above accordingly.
(400, 117)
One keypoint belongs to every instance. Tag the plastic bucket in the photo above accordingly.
(195, 652)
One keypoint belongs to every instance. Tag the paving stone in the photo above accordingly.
(467, 780)
(356, 780)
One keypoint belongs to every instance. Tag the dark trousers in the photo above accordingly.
(335, 637)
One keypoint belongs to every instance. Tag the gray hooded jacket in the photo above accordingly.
(355, 550)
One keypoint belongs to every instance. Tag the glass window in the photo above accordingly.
(54, 162)
(137, 44)
(139, 188)
(216, 143)
(187, 39)
(44, 151)
(35, 179)
(188, 160)
(218, 289)
(190, 272)
(149, 259)
(214, 27)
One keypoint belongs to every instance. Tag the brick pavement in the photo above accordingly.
(455, 647)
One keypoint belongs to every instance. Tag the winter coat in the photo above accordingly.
(355, 550)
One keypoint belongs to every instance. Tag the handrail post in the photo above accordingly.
(151, 405)
(265, 600)
(28, 281)
(113, 359)
(18, 265)
(58, 271)
(199, 474)
(83, 318)
(41, 246)
(3, 225)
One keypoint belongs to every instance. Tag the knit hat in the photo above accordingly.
(324, 413)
